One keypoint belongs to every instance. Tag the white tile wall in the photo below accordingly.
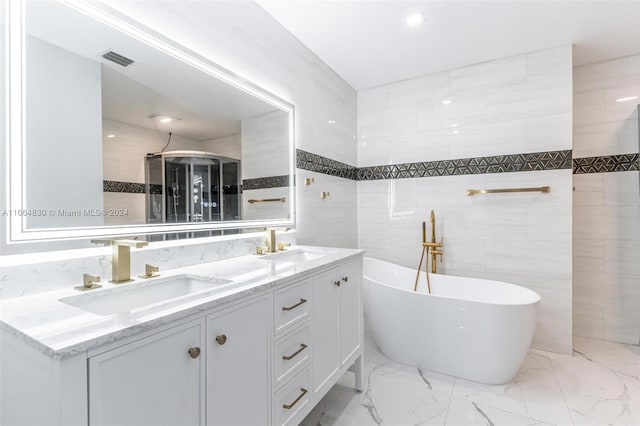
(267, 210)
(228, 146)
(606, 211)
(603, 126)
(515, 105)
(134, 204)
(65, 152)
(265, 145)
(332, 221)
(265, 148)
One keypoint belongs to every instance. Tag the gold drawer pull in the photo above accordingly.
(303, 392)
(194, 352)
(221, 339)
(288, 308)
(289, 357)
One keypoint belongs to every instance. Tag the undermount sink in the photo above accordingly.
(135, 296)
(296, 255)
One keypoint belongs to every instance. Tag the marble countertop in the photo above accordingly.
(60, 330)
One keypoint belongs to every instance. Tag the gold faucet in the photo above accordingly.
(272, 246)
(434, 246)
(121, 258)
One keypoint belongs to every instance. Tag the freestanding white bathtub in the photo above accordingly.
(470, 328)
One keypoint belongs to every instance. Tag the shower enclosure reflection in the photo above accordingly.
(191, 186)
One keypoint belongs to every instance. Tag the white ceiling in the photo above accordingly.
(128, 101)
(368, 43)
(156, 83)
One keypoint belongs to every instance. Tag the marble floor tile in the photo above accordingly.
(466, 412)
(598, 385)
(533, 394)
(598, 393)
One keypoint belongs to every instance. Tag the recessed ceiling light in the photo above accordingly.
(163, 118)
(446, 102)
(454, 124)
(111, 136)
(331, 121)
(628, 98)
(415, 19)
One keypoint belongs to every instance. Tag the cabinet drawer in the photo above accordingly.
(292, 351)
(292, 305)
(292, 400)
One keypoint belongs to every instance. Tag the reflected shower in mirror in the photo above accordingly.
(191, 186)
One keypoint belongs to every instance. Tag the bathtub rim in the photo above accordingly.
(535, 297)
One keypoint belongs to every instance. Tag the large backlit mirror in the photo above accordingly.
(124, 132)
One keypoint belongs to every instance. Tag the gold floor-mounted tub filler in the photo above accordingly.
(433, 246)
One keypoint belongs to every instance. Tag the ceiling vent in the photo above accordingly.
(118, 59)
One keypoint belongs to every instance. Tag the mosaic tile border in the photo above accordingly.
(265, 182)
(128, 187)
(548, 160)
(551, 160)
(606, 163)
(139, 188)
(317, 163)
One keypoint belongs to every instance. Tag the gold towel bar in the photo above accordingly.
(496, 191)
(267, 200)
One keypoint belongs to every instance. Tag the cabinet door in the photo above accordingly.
(153, 381)
(350, 310)
(238, 360)
(325, 327)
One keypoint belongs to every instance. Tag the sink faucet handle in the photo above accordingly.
(150, 271)
(88, 279)
(89, 282)
(282, 246)
(437, 253)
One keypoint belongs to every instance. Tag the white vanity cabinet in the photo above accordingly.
(337, 325)
(155, 381)
(162, 379)
(263, 358)
(238, 364)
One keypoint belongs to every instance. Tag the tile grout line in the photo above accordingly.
(564, 398)
(453, 385)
